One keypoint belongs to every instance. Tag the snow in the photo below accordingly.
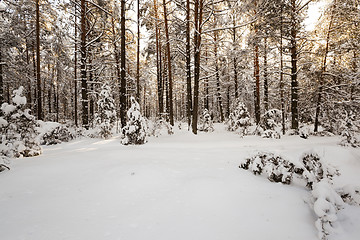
(174, 187)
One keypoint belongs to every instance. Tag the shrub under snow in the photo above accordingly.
(239, 119)
(271, 123)
(275, 167)
(106, 115)
(326, 205)
(19, 137)
(207, 123)
(135, 130)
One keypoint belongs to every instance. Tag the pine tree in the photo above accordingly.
(135, 130)
(18, 129)
(106, 115)
(239, 119)
(207, 123)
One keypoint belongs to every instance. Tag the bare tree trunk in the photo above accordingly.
(75, 71)
(123, 66)
(188, 66)
(266, 86)
(294, 82)
(235, 62)
(257, 84)
(197, 43)
(84, 90)
(281, 75)
(38, 80)
(219, 97)
(158, 62)
(256, 77)
(1, 81)
(170, 86)
(138, 54)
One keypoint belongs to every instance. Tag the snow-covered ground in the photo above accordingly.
(172, 188)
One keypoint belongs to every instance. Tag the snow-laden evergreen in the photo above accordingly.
(19, 137)
(271, 124)
(135, 130)
(106, 114)
(239, 119)
(207, 124)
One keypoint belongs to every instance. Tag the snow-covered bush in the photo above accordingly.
(159, 127)
(106, 114)
(239, 119)
(19, 137)
(305, 131)
(326, 205)
(315, 169)
(4, 163)
(135, 130)
(271, 124)
(57, 135)
(275, 167)
(271, 134)
(206, 122)
(350, 194)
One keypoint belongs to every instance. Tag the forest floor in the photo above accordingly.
(178, 187)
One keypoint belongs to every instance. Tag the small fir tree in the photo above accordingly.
(239, 119)
(106, 115)
(207, 123)
(19, 137)
(135, 130)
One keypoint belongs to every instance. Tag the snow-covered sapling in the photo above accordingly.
(239, 119)
(315, 170)
(271, 123)
(207, 123)
(275, 167)
(326, 205)
(18, 128)
(106, 114)
(57, 135)
(135, 130)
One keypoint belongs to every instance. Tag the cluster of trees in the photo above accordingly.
(199, 54)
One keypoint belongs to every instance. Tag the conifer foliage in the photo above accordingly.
(135, 130)
(239, 119)
(106, 115)
(19, 137)
(207, 123)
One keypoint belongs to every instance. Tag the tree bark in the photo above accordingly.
(197, 43)
(294, 82)
(84, 90)
(266, 86)
(138, 54)
(217, 75)
(38, 80)
(170, 86)
(160, 90)
(188, 66)
(75, 71)
(123, 66)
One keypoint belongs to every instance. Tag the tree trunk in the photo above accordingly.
(38, 80)
(294, 82)
(170, 86)
(1, 80)
(257, 84)
(266, 86)
(84, 90)
(138, 54)
(188, 66)
(123, 66)
(75, 71)
(197, 43)
(281, 74)
(217, 75)
(235, 63)
(158, 62)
